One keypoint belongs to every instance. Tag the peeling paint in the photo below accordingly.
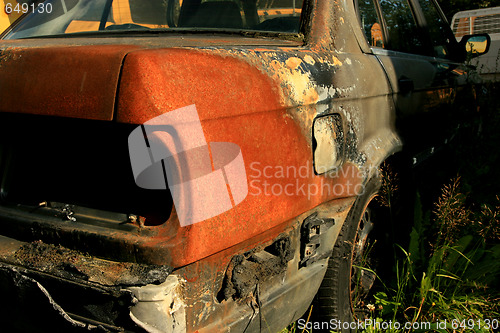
(309, 60)
(293, 63)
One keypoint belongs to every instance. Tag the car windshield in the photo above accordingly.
(71, 17)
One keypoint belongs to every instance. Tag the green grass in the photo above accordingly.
(448, 270)
(454, 279)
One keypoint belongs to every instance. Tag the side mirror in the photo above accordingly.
(475, 45)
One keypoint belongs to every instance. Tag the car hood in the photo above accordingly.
(79, 77)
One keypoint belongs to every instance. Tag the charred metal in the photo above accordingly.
(313, 233)
(71, 264)
(248, 271)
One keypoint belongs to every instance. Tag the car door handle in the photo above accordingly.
(405, 85)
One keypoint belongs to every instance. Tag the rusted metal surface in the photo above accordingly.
(282, 94)
(216, 311)
(233, 270)
(65, 263)
(245, 272)
(186, 39)
(147, 90)
(77, 82)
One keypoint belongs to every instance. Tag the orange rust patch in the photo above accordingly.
(158, 81)
(293, 63)
(78, 81)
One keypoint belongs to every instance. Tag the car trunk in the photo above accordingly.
(53, 162)
(66, 112)
(65, 174)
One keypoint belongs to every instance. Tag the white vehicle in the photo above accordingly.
(480, 21)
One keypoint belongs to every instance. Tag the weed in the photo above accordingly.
(448, 269)
(455, 280)
(451, 215)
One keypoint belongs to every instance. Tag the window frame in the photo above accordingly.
(303, 28)
(422, 28)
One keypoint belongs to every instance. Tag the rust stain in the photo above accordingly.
(217, 84)
(276, 89)
(77, 82)
(293, 63)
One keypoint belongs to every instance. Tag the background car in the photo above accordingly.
(486, 20)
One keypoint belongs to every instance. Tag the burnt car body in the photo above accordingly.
(312, 98)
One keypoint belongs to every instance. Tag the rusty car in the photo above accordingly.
(206, 165)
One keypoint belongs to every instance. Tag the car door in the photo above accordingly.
(412, 42)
